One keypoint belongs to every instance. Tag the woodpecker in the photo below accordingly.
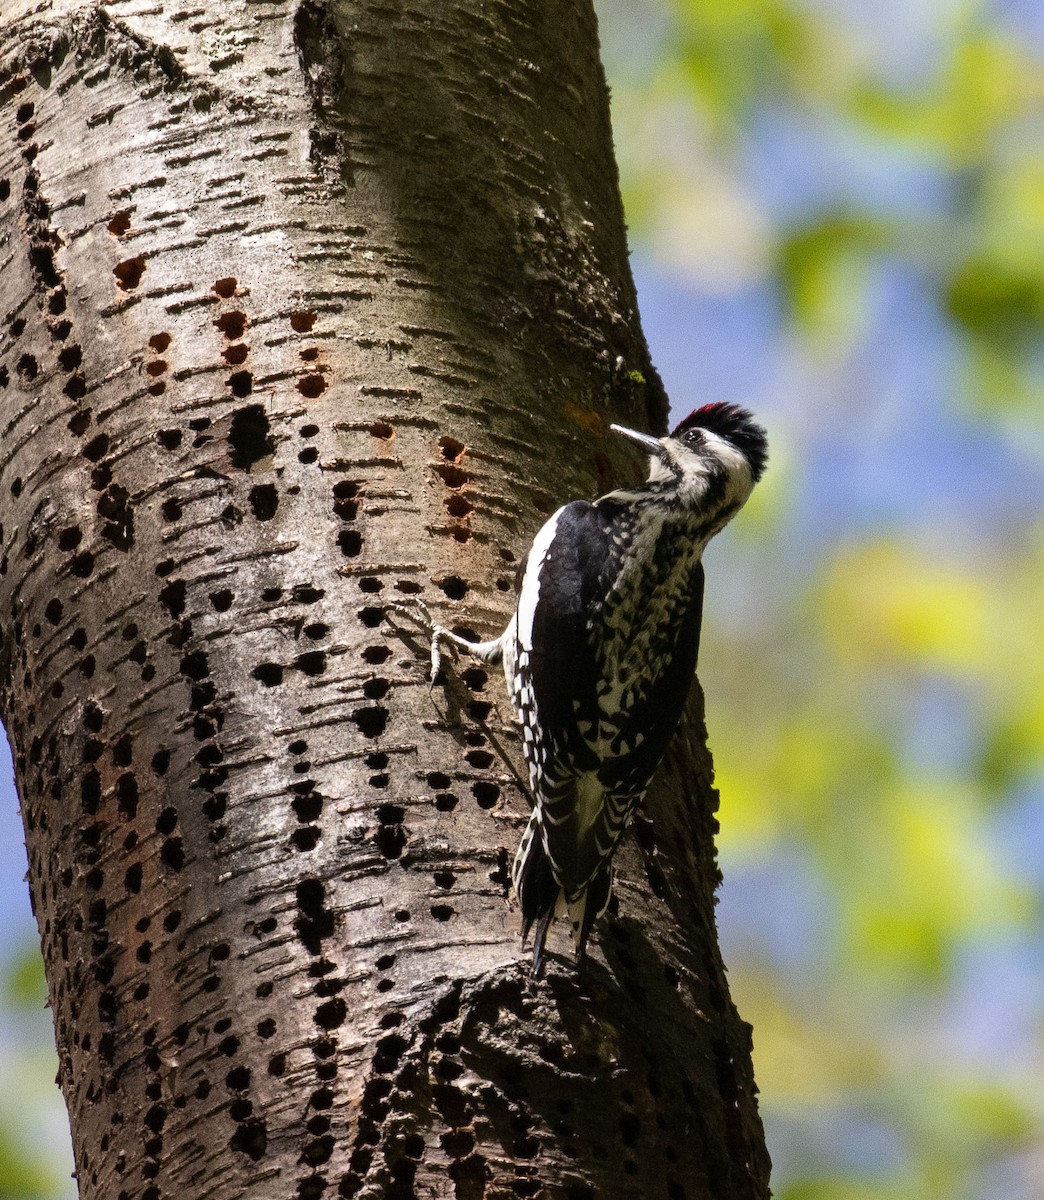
(601, 650)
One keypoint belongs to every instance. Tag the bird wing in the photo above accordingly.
(637, 736)
(564, 584)
(590, 755)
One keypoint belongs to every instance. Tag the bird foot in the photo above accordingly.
(417, 611)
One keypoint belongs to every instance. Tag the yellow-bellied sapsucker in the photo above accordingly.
(601, 651)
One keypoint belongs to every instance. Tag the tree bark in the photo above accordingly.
(305, 309)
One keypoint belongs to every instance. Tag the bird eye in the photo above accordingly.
(694, 436)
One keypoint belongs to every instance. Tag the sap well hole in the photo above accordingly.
(454, 587)
(371, 722)
(232, 325)
(486, 794)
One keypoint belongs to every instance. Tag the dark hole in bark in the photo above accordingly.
(127, 796)
(458, 506)
(249, 436)
(129, 272)
(167, 821)
(350, 542)
(232, 325)
(475, 678)
(389, 1052)
(172, 597)
(241, 383)
(251, 1137)
(76, 386)
(195, 665)
(82, 565)
(391, 841)
(263, 500)
(452, 475)
(172, 853)
(454, 587)
(371, 721)
(331, 1014)
(311, 663)
(486, 794)
(311, 386)
(90, 792)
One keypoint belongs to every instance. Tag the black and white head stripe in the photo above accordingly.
(735, 425)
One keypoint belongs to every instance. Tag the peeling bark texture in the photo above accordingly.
(306, 308)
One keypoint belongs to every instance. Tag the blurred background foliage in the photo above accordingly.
(837, 218)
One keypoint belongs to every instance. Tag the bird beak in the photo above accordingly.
(650, 443)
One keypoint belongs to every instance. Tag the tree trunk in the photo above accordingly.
(305, 309)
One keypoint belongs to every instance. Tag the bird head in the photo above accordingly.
(717, 439)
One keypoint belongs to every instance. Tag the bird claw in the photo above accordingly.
(417, 611)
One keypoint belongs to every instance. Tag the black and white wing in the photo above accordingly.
(590, 756)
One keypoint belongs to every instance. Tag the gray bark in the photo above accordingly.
(304, 310)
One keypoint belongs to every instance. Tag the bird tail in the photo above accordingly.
(536, 887)
(541, 896)
(588, 906)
